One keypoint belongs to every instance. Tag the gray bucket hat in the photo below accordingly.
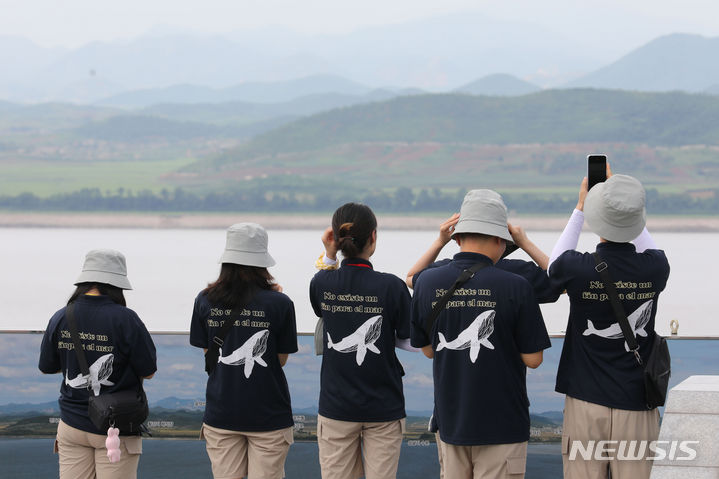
(615, 209)
(247, 245)
(105, 266)
(484, 212)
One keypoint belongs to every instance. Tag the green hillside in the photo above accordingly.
(555, 116)
(531, 144)
(138, 127)
(414, 153)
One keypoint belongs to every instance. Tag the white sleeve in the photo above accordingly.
(570, 236)
(404, 344)
(644, 241)
(327, 261)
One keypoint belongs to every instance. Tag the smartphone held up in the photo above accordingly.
(596, 169)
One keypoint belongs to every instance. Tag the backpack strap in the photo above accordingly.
(619, 313)
(464, 276)
(79, 351)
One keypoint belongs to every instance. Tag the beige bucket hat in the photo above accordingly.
(105, 266)
(615, 209)
(247, 245)
(483, 211)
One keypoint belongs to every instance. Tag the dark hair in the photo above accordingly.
(237, 284)
(113, 292)
(352, 225)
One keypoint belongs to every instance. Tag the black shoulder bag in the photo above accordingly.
(657, 367)
(319, 336)
(464, 276)
(212, 355)
(126, 410)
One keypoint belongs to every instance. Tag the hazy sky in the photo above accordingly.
(76, 22)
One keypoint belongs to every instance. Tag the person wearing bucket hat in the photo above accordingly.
(481, 342)
(247, 423)
(361, 408)
(533, 271)
(602, 383)
(121, 354)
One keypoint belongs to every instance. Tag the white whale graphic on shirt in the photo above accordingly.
(361, 340)
(637, 321)
(249, 353)
(474, 337)
(100, 370)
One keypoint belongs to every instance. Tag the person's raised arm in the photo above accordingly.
(520, 238)
(328, 240)
(328, 259)
(570, 235)
(445, 235)
(644, 241)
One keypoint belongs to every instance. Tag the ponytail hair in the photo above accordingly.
(352, 226)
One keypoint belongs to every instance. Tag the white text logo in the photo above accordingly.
(633, 450)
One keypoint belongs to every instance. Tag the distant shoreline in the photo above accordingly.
(698, 224)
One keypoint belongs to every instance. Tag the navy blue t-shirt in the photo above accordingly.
(118, 350)
(528, 270)
(595, 365)
(480, 390)
(362, 310)
(248, 390)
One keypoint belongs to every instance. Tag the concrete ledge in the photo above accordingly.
(671, 472)
(695, 395)
(690, 422)
(701, 429)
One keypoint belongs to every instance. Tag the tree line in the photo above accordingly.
(401, 200)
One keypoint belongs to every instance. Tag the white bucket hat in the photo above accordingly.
(105, 266)
(615, 208)
(247, 245)
(484, 212)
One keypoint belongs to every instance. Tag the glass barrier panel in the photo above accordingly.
(29, 412)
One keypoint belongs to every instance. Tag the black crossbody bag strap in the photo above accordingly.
(465, 276)
(619, 313)
(125, 411)
(79, 351)
(213, 352)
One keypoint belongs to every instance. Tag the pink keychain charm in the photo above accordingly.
(112, 443)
